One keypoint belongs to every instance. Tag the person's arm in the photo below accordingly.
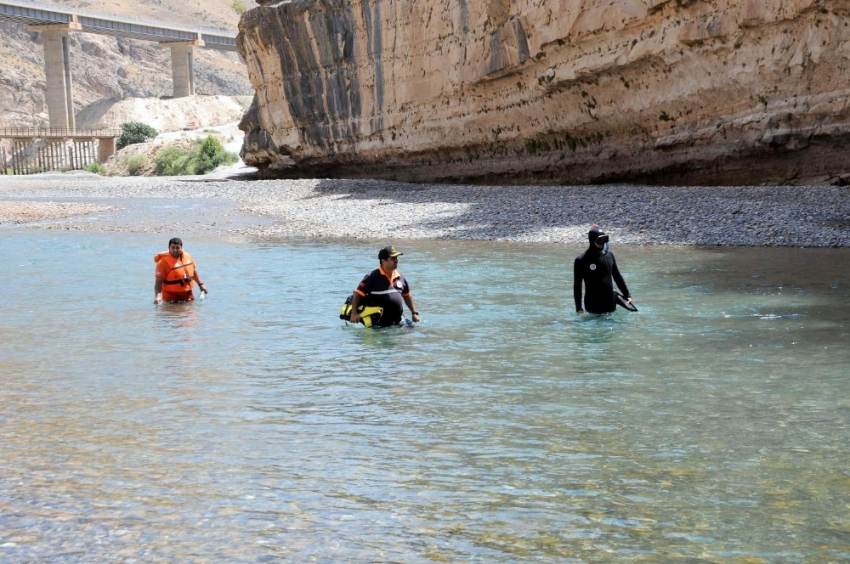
(618, 279)
(577, 285)
(355, 303)
(157, 291)
(408, 299)
(360, 292)
(201, 285)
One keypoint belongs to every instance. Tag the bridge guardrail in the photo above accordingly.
(25, 132)
(120, 17)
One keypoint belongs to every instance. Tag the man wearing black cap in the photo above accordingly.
(596, 267)
(385, 287)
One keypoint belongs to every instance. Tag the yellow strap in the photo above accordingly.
(366, 313)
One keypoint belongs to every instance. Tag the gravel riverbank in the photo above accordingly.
(369, 209)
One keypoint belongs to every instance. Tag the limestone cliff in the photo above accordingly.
(568, 91)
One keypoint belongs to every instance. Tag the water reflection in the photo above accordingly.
(596, 329)
(171, 316)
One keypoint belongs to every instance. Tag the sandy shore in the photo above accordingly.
(368, 209)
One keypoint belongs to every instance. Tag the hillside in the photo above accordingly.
(107, 67)
(164, 115)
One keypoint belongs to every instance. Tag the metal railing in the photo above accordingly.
(118, 17)
(56, 132)
(38, 13)
(35, 155)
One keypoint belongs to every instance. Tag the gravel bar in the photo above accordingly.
(785, 216)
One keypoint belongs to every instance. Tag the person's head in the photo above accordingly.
(175, 247)
(597, 237)
(388, 257)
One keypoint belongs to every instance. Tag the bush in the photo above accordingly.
(211, 154)
(136, 163)
(173, 161)
(239, 7)
(96, 168)
(201, 159)
(134, 132)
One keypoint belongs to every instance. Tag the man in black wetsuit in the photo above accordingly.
(597, 268)
(385, 287)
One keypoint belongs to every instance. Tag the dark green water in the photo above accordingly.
(254, 426)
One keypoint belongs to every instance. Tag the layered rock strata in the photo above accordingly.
(564, 91)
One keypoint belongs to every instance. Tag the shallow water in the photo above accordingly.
(255, 426)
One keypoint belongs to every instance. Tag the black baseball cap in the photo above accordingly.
(388, 252)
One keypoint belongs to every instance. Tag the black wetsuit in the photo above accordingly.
(598, 270)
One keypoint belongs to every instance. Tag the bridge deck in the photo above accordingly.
(35, 13)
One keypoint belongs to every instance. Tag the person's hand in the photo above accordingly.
(629, 300)
(157, 299)
(416, 317)
(355, 317)
(203, 288)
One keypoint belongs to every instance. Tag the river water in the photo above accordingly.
(255, 426)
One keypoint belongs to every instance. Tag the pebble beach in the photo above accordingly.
(782, 216)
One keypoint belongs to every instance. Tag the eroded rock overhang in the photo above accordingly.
(578, 91)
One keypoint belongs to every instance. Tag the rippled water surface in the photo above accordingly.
(255, 426)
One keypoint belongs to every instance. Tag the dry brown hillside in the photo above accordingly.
(108, 67)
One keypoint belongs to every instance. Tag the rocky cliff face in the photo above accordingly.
(567, 91)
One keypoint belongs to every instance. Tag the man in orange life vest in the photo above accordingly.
(175, 275)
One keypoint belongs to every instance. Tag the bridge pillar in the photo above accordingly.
(57, 69)
(183, 67)
(105, 148)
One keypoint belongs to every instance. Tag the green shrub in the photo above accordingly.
(134, 132)
(174, 161)
(96, 168)
(239, 7)
(210, 154)
(136, 163)
(205, 156)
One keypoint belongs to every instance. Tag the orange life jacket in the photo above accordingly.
(177, 277)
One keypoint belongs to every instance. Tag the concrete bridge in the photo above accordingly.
(54, 23)
(39, 150)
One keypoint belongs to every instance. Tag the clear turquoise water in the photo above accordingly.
(255, 426)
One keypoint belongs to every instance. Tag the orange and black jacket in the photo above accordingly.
(380, 290)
